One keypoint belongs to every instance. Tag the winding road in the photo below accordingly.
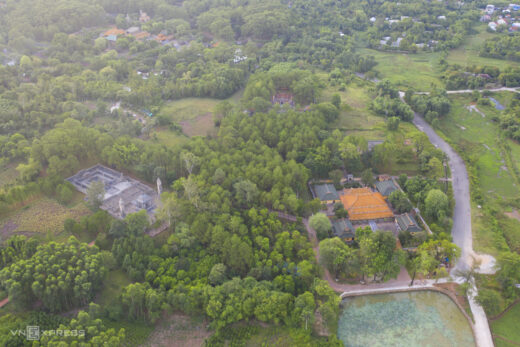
(461, 231)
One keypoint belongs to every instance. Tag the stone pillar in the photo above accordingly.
(121, 208)
(159, 186)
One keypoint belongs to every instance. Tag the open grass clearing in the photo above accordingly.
(469, 53)
(189, 108)
(114, 283)
(201, 126)
(355, 116)
(418, 71)
(357, 119)
(41, 215)
(507, 326)
(169, 138)
(479, 137)
(179, 330)
(511, 228)
(136, 333)
(195, 115)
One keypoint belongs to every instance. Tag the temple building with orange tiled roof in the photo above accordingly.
(142, 35)
(114, 32)
(363, 204)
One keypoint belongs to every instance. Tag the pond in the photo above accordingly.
(421, 318)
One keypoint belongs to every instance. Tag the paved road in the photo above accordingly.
(461, 231)
(464, 91)
(501, 89)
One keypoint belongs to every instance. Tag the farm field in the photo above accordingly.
(507, 327)
(468, 53)
(418, 71)
(41, 216)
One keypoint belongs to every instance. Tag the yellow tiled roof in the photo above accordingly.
(364, 204)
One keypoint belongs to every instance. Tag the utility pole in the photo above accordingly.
(445, 176)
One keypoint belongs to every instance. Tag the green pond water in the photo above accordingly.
(422, 318)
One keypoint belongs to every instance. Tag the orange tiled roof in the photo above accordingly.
(114, 31)
(142, 35)
(162, 37)
(364, 204)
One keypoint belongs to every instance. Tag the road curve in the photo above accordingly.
(461, 231)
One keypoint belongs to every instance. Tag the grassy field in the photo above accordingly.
(418, 71)
(189, 108)
(41, 216)
(507, 326)
(179, 330)
(167, 137)
(195, 115)
(473, 132)
(479, 136)
(112, 287)
(355, 118)
(256, 335)
(136, 333)
(468, 53)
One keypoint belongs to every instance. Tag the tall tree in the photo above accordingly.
(96, 194)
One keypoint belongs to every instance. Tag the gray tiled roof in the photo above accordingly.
(326, 192)
(407, 223)
(386, 187)
(342, 228)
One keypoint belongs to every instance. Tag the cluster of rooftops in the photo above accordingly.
(364, 206)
